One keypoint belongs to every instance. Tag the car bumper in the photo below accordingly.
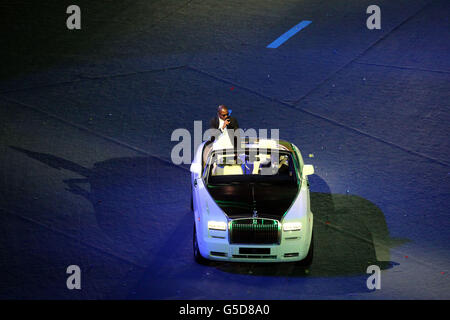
(291, 248)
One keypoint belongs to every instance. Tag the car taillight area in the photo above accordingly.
(254, 231)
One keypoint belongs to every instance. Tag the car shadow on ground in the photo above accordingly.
(350, 234)
(135, 201)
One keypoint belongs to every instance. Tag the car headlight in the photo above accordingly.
(217, 225)
(292, 226)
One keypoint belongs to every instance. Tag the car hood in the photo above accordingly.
(243, 199)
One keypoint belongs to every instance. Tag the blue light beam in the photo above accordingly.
(284, 37)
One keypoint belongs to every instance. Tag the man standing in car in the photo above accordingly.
(224, 121)
(226, 127)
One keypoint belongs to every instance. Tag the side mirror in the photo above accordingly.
(308, 169)
(196, 168)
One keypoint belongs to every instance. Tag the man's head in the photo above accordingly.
(222, 112)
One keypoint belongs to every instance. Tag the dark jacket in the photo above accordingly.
(214, 123)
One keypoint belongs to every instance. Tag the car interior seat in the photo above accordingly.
(234, 169)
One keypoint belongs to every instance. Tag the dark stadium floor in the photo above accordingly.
(85, 144)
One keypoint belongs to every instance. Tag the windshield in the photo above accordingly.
(228, 166)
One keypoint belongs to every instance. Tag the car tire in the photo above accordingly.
(197, 255)
(307, 261)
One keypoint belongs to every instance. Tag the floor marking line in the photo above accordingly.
(332, 121)
(93, 77)
(97, 134)
(400, 67)
(288, 34)
(358, 56)
(72, 237)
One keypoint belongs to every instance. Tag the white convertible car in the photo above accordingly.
(251, 204)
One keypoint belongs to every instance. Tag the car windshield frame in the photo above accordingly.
(250, 177)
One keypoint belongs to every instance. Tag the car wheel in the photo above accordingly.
(307, 261)
(197, 255)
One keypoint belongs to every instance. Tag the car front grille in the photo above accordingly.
(254, 231)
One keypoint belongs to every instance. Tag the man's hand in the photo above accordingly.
(226, 123)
